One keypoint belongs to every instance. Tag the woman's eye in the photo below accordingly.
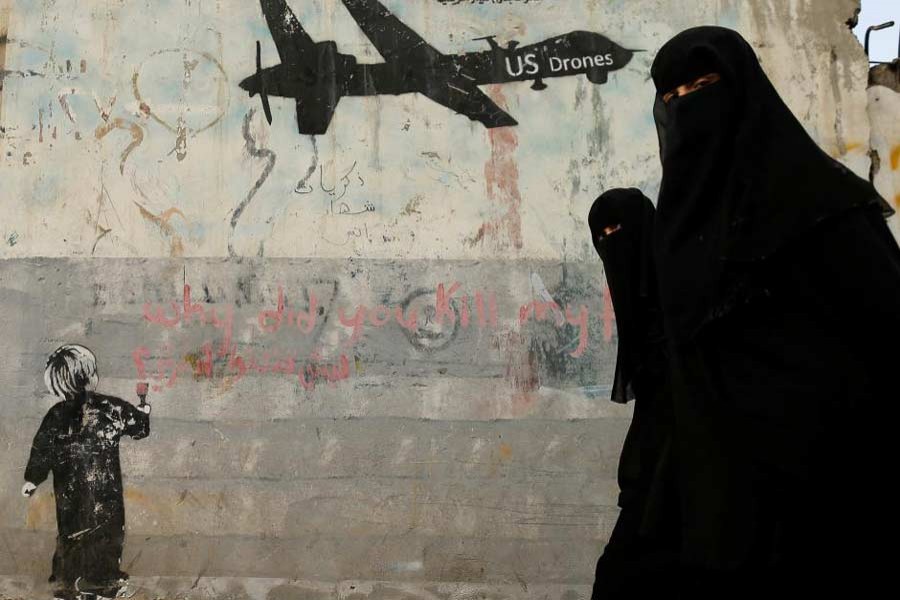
(703, 82)
(609, 230)
(693, 86)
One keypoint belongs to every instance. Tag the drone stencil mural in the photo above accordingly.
(317, 76)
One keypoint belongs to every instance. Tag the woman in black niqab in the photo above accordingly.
(640, 559)
(741, 177)
(621, 224)
(779, 283)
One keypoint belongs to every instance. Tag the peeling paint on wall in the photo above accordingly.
(884, 107)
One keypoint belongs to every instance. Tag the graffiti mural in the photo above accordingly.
(317, 76)
(379, 343)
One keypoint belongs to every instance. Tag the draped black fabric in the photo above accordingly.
(741, 177)
(780, 287)
(783, 411)
(78, 441)
(640, 559)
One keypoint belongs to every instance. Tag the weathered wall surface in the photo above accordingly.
(884, 109)
(361, 388)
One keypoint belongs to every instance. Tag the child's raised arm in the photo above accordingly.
(137, 420)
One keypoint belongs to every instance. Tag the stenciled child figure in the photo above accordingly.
(78, 441)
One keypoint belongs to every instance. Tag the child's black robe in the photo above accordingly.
(78, 441)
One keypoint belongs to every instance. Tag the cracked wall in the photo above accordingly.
(884, 107)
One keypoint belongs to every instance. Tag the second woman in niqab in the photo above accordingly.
(640, 559)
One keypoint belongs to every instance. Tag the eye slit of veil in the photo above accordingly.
(608, 231)
(691, 87)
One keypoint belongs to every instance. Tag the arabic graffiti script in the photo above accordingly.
(424, 319)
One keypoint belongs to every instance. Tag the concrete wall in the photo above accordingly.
(884, 107)
(468, 452)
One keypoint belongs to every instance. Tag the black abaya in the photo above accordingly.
(781, 421)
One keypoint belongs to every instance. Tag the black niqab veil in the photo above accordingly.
(628, 262)
(741, 177)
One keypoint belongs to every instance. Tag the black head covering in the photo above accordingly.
(628, 262)
(741, 177)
